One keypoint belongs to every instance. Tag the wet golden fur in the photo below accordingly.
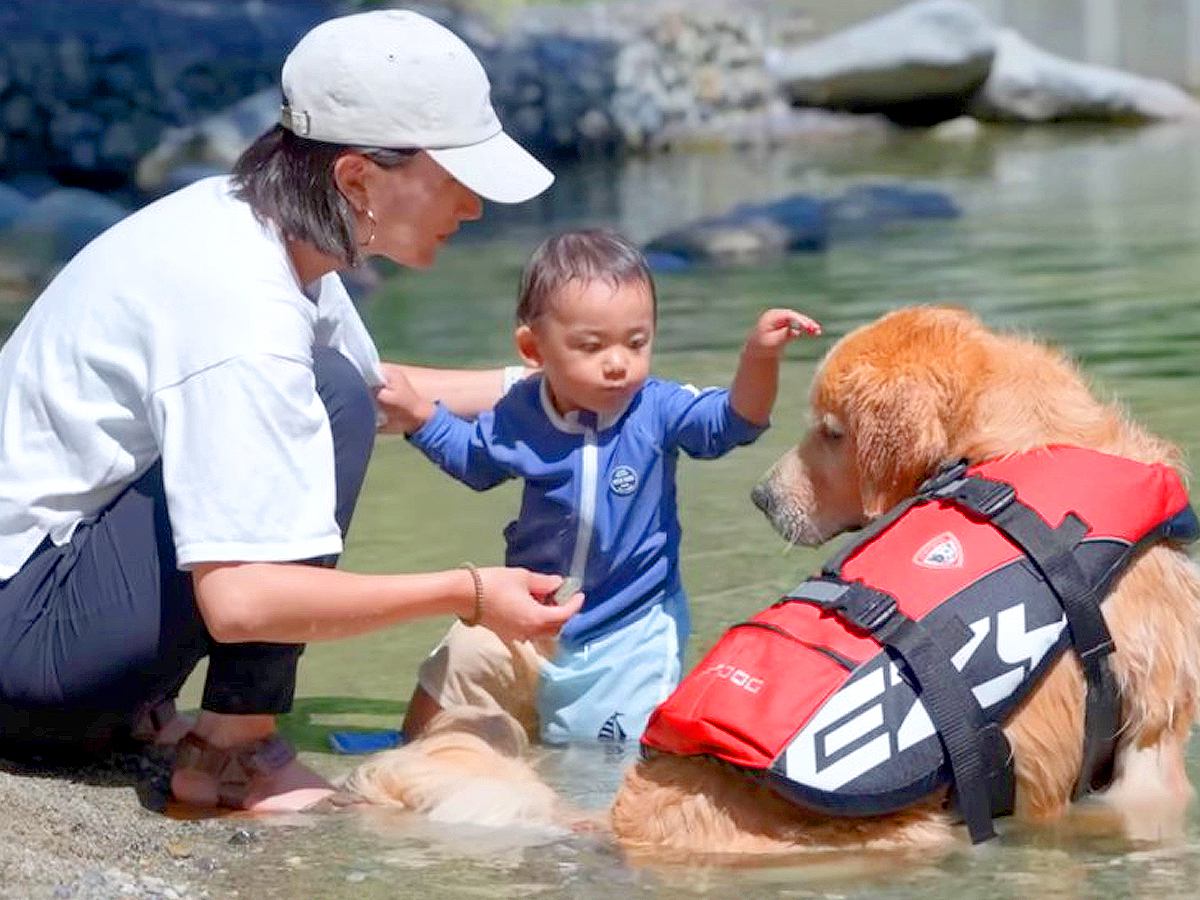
(467, 766)
(890, 402)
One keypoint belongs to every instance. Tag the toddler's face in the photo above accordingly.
(594, 344)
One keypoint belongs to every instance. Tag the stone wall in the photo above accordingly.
(87, 86)
(677, 72)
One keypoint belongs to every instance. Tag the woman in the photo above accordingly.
(188, 410)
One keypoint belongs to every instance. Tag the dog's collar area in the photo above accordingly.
(947, 474)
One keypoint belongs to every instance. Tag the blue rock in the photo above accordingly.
(13, 204)
(753, 232)
(725, 240)
(864, 209)
(666, 263)
(32, 184)
(804, 218)
(58, 225)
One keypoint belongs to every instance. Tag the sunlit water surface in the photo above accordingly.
(1090, 239)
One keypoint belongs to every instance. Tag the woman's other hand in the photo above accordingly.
(517, 603)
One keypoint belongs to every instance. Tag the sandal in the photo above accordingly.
(160, 724)
(233, 768)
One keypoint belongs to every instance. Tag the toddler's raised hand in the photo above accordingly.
(757, 378)
(776, 327)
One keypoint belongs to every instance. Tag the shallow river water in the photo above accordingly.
(1087, 238)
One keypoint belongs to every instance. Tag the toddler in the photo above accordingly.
(595, 439)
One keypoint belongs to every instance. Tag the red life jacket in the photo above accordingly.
(887, 677)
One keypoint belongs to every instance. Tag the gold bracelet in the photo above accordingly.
(477, 615)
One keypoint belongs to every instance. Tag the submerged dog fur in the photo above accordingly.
(467, 766)
(891, 402)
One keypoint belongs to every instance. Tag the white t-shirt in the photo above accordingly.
(183, 333)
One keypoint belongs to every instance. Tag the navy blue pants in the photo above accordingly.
(93, 632)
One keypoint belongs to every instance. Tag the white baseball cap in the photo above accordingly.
(398, 80)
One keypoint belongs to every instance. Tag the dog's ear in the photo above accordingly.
(900, 438)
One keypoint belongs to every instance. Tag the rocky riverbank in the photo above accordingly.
(97, 831)
(105, 104)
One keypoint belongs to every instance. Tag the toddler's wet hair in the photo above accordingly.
(584, 255)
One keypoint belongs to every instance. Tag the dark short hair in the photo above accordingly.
(288, 181)
(589, 254)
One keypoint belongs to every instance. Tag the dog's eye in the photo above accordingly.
(831, 432)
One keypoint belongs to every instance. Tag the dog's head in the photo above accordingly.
(890, 402)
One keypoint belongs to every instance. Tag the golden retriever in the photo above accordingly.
(891, 402)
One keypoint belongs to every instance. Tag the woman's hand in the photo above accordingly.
(517, 603)
(404, 410)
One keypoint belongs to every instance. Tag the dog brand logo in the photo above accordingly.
(623, 481)
(611, 731)
(737, 677)
(943, 552)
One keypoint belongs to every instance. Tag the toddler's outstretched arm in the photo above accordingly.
(465, 392)
(404, 409)
(757, 379)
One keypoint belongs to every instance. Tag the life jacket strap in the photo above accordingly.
(1051, 550)
(979, 755)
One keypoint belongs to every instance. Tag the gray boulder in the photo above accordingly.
(1027, 84)
(917, 65)
(211, 145)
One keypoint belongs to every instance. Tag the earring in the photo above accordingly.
(370, 218)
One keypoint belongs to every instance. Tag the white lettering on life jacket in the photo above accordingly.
(816, 758)
(1015, 645)
(735, 676)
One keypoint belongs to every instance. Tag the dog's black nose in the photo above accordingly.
(761, 497)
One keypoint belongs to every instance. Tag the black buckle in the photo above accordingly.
(945, 476)
(982, 496)
(864, 608)
(986, 497)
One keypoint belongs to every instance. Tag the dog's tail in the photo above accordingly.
(454, 773)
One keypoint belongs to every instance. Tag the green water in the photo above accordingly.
(1090, 239)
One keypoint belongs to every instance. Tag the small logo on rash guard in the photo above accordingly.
(943, 552)
(623, 481)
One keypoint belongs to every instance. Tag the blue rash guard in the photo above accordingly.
(599, 499)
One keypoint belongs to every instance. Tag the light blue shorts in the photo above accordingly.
(606, 689)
